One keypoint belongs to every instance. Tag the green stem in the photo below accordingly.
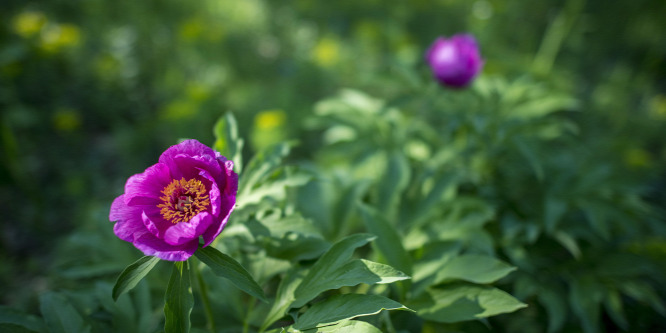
(555, 35)
(389, 324)
(246, 322)
(204, 297)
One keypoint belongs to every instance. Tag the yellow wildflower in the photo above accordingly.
(58, 36)
(327, 52)
(28, 24)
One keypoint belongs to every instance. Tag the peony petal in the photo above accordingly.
(188, 147)
(128, 226)
(119, 210)
(184, 232)
(183, 149)
(231, 187)
(227, 206)
(188, 167)
(153, 246)
(430, 53)
(146, 188)
(154, 222)
(213, 193)
(227, 202)
(455, 62)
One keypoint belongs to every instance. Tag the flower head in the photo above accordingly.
(189, 194)
(454, 61)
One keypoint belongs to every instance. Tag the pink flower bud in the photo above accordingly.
(456, 61)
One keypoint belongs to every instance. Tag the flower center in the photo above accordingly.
(183, 200)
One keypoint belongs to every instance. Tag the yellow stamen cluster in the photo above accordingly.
(183, 200)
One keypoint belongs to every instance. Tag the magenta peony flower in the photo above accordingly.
(188, 194)
(455, 61)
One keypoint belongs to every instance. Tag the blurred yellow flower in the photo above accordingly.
(327, 52)
(66, 120)
(58, 36)
(268, 128)
(368, 31)
(11, 69)
(269, 119)
(28, 24)
(637, 158)
(197, 91)
(191, 29)
(106, 66)
(180, 109)
(658, 107)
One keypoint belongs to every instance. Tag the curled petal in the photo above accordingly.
(188, 167)
(128, 226)
(227, 206)
(145, 188)
(184, 232)
(154, 222)
(153, 246)
(213, 192)
(231, 187)
(187, 148)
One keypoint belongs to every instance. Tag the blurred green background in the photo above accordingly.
(92, 91)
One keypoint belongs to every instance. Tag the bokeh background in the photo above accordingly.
(92, 91)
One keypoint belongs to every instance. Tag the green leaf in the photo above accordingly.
(344, 205)
(443, 185)
(347, 326)
(279, 226)
(10, 316)
(284, 298)
(393, 183)
(568, 243)
(91, 270)
(123, 312)
(556, 307)
(389, 242)
(334, 270)
(352, 273)
(178, 300)
(585, 298)
(539, 107)
(295, 247)
(643, 292)
(435, 256)
(473, 268)
(529, 152)
(144, 306)
(132, 274)
(59, 314)
(227, 140)
(288, 177)
(324, 273)
(261, 166)
(342, 307)
(463, 301)
(597, 216)
(225, 266)
(615, 309)
(14, 328)
(554, 209)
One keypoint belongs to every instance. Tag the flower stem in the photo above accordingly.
(387, 321)
(555, 34)
(203, 290)
(246, 322)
